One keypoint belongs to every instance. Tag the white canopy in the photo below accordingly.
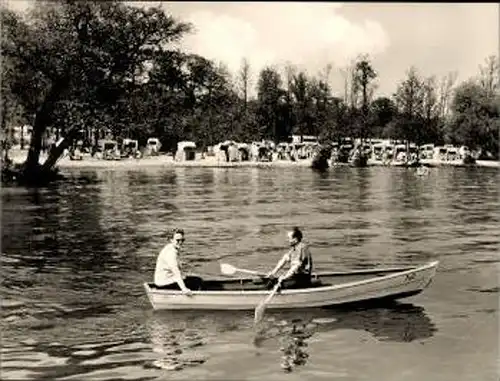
(185, 144)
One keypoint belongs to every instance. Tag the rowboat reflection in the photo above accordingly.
(393, 321)
(400, 322)
(187, 338)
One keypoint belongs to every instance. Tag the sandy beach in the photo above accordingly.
(19, 156)
(168, 161)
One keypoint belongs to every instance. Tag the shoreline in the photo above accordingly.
(19, 156)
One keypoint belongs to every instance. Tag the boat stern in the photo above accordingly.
(149, 294)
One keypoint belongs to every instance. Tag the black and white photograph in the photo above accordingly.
(202, 190)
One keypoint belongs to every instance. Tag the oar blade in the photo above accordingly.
(227, 269)
(260, 309)
(259, 313)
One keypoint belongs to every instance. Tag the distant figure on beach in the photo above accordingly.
(300, 261)
(422, 171)
(232, 153)
(168, 273)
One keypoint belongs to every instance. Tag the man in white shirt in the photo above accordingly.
(167, 273)
(300, 261)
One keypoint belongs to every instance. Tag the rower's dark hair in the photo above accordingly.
(296, 233)
(177, 231)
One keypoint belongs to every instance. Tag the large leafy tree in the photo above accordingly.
(409, 99)
(322, 108)
(216, 102)
(430, 119)
(84, 55)
(363, 87)
(382, 111)
(489, 77)
(270, 98)
(13, 113)
(475, 119)
(301, 88)
(245, 116)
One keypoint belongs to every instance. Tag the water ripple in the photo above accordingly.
(75, 255)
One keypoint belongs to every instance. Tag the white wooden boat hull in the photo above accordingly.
(385, 285)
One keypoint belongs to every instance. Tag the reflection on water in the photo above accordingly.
(393, 322)
(399, 322)
(75, 255)
(294, 349)
(179, 338)
(173, 345)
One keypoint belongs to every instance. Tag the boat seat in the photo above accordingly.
(314, 283)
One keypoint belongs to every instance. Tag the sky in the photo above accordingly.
(436, 38)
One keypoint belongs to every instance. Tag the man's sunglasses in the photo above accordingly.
(180, 240)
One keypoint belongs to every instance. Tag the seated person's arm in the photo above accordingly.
(293, 269)
(174, 267)
(278, 267)
(296, 263)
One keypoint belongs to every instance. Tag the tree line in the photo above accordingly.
(76, 65)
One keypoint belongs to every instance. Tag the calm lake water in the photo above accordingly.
(75, 255)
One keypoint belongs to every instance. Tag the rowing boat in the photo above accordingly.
(327, 289)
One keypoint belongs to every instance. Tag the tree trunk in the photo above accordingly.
(21, 142)
(365, 110)
(56, 151)
(32, 162)
(41, 123)
(211, 133)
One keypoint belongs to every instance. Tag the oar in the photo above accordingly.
(260, 309)
(228, 269)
